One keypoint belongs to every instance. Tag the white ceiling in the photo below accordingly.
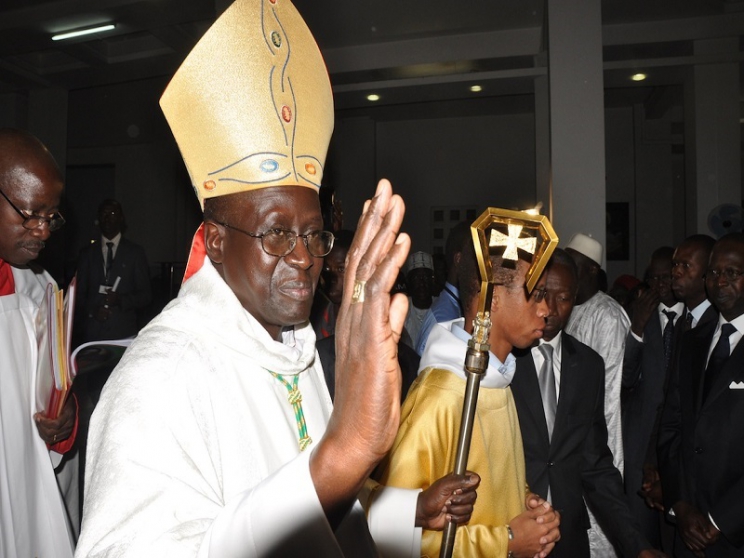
(413, 52)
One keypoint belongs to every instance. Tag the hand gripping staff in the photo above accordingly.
(505, 235)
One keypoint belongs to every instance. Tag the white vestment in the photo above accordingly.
(602, 324)
(193, 448)
(33, 520)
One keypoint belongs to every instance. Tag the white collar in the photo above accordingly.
(447, 346)
(115, 240)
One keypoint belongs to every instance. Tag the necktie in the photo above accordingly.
(546, 379)
(7, 284)
(688, 321)
(109, 261)
(668, 336)
(718, 358)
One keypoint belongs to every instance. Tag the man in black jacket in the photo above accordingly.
(565, 443)
(701, 441)
(113, 281)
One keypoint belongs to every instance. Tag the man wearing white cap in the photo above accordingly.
(420, 284)
(215, 435)
(599, 321)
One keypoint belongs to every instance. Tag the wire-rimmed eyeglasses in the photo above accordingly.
(729, 274)
(537, 295)
(280, 242)
(32, 221)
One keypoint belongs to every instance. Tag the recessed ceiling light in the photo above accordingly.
(82, 32)
(476, 88)
(373, 97)
(638, 77)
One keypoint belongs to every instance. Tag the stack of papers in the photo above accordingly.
(54, 374)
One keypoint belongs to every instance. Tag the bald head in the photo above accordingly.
(31, 184)
(18, 147)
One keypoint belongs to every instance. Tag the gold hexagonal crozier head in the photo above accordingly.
(518, 234)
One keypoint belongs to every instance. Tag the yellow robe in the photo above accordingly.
(425, 447)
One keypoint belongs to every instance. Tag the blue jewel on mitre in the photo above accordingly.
(269, 165)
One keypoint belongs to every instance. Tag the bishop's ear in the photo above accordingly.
(214, 241)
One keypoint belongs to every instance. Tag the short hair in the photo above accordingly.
(733, 237)
(561, 257)
(661, 253)
(468, 274)
(458, 236)
(109, 202)
(702, 241)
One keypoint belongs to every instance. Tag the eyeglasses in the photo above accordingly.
(729, 274)
(279, 243)
(31, 221)
(537, 295)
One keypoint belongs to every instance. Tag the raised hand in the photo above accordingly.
(366, 411)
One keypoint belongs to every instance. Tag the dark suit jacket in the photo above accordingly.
(710, 315)
(130, 263)
(576, 463)
(644, 378)
(701, 443)
(407, 358)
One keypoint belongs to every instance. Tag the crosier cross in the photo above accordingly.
(512, 242)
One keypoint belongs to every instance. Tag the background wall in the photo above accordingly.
(440, 161)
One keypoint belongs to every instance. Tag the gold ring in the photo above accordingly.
(358, 294)
(54, 438)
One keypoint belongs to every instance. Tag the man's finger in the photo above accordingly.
(367, 228)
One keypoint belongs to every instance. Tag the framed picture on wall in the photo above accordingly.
(618, 231)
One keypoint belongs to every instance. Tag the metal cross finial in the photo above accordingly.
(512, 242)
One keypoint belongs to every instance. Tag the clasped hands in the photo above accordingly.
(536, 530)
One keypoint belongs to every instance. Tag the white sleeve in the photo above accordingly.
(392, 521)
(281, 516)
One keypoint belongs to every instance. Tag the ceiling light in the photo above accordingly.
(82, 32)
(638, 77)
(373, 97)
(476, 88)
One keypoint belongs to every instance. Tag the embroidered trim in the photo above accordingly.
(295, 399)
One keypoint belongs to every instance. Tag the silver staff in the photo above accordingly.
(531, 233)
(476, 363)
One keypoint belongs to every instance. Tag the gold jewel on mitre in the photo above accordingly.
(512, 235)
(251, 106)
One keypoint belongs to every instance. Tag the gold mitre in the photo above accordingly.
(251, 106)
(512, 235)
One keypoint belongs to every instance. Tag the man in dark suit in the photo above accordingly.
(565, 444)
(689, 262)
(657, 321)
(113, 281)
(701, 439)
